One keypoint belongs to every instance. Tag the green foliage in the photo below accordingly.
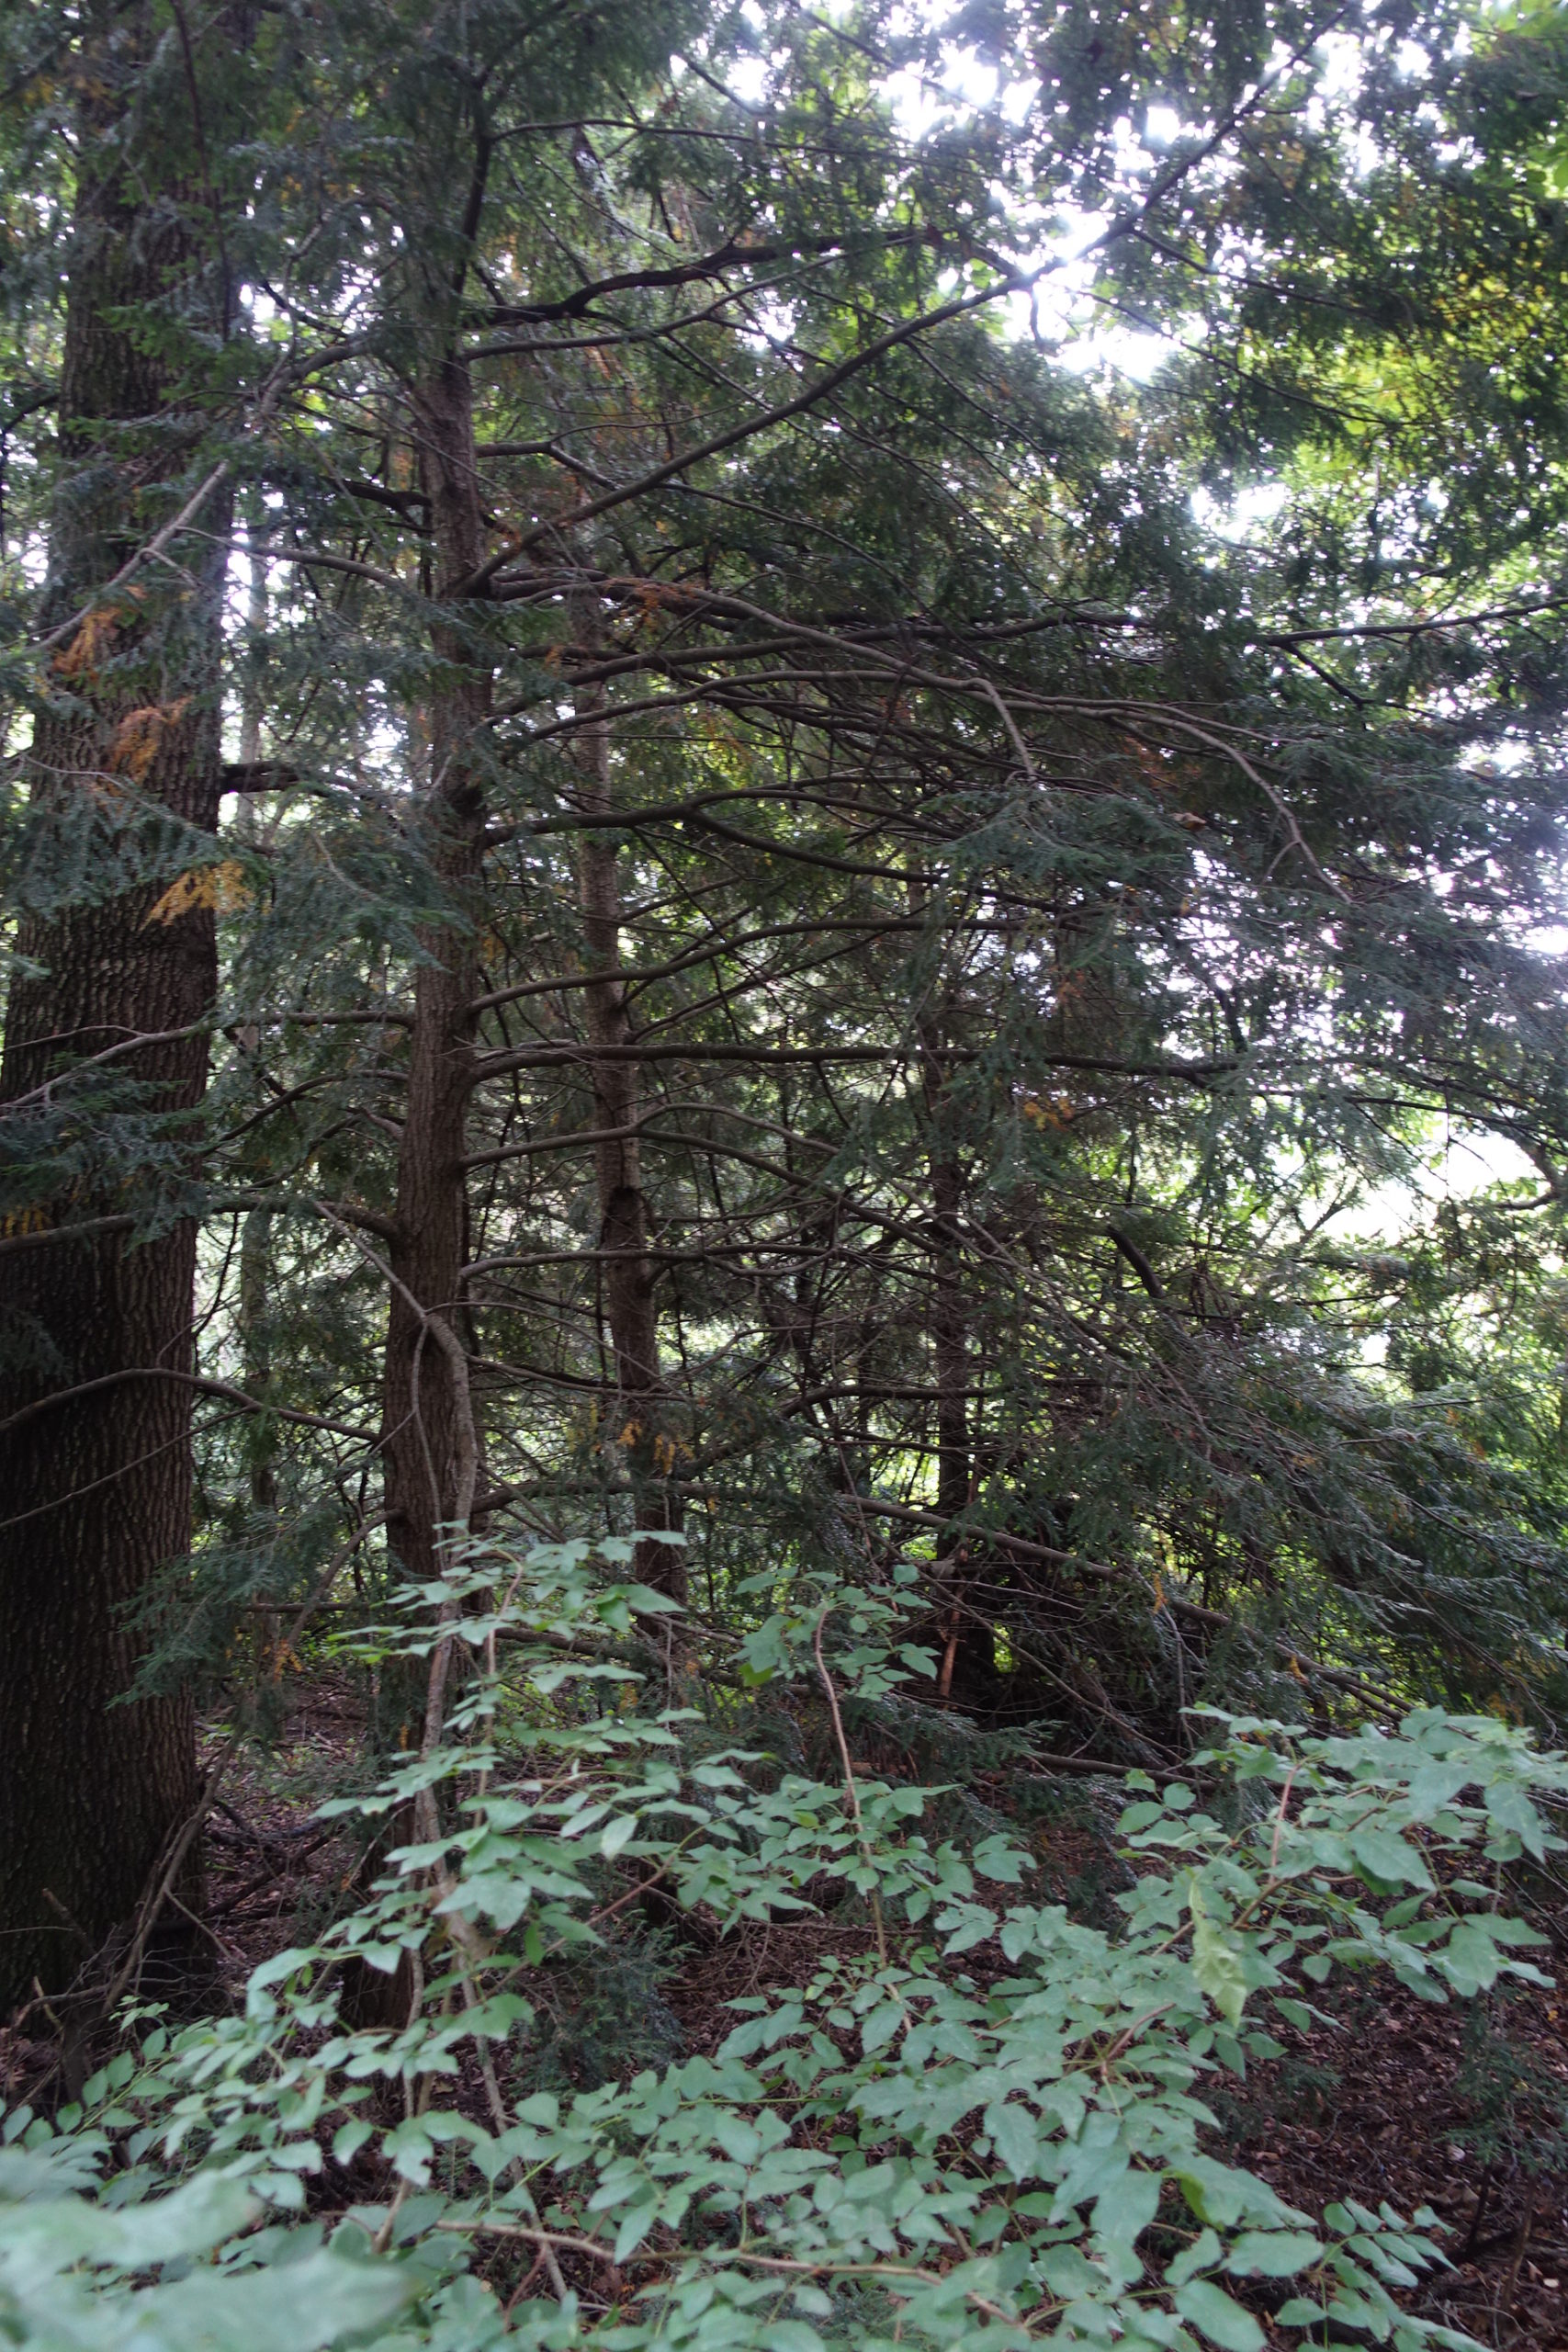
(74, 2271)
(1081, 851)
(1180, 884)
(891, 2145)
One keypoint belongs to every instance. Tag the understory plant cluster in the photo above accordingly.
(977, 2122)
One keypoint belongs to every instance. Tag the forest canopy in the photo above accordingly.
(784, 1071)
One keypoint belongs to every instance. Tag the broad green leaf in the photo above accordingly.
(1202, 2254)
(881, 2026)
(1469, 1959)
(1273, 2254)
(1067, 2272)
(1215, 1962)
(1300, 2311)
(1125, 2207)
(1384, 1855)
(56, 2234)
(297, 2306)
(634, 2226)
(1015, 2139)
(1217, 2317)
(1510, 1808)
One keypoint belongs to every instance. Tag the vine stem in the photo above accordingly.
(850, 1787)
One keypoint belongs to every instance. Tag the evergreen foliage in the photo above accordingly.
(855, 715)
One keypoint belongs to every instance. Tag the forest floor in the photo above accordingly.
(1390, 2101)
(1381, 2106)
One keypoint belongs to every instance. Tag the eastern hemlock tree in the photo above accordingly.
(113, 975)
(817, 951)
(1007, 950)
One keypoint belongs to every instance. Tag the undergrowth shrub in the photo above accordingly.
(984, 2126)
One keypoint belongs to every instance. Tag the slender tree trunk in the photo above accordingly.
(948, 1321)
(256, 1344)
(639, 1406)
(95, 1490)
(429, 1448)
(430, 1445)
(256, 1233)
(967, 1668)
(948, 1329)
(950, 1337)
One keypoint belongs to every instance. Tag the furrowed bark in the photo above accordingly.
(640, 1407)
(94, 1496)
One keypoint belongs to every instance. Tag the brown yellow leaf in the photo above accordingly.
(81, 658)
(221, 888)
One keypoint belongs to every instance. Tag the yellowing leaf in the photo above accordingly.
(86, 649)
(221, 888)
(133, 746)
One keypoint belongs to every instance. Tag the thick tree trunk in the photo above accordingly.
(639, 1406)
(95, 1488)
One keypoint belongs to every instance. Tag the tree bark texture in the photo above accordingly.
(95, 1488)
(429, 1438)
(638, 1409)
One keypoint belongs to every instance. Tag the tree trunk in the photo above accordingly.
(430, 1443)
(967, 1646)
(96, 1487)
(639, 1406)
(253, 1320)
(968, 1667)
(253, 1326)
(430, 1447)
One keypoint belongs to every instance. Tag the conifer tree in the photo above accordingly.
(1008, 941)
(111, 988)
(836, 902)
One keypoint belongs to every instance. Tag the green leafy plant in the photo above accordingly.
(898, 2146)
